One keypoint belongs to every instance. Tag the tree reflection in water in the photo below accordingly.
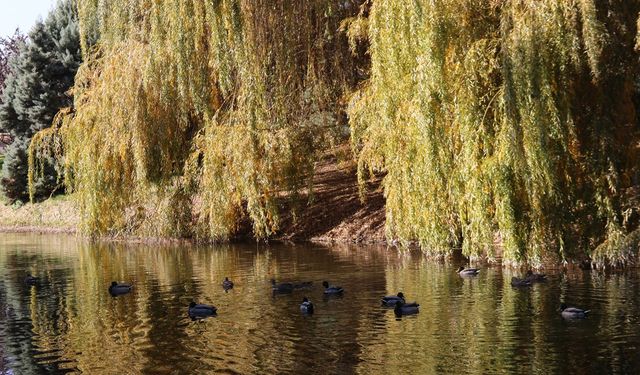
(69, 322)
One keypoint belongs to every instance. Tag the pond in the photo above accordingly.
(68, 322)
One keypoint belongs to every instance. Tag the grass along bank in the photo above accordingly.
(58, 214)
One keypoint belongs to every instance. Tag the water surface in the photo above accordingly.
(70, 323)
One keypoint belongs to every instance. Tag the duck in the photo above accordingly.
(403, 309)
(116, 289)
(573, 312)
(306, 307)
(516, 282)
(227, 284)
(535, 277)
(468, 271)
(31, 280)
(199, 311)
(331, 289)
(282, 287)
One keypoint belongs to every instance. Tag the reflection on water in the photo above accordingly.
(70, 323)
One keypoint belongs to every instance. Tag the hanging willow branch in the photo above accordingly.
(476, 110)
(216, 109)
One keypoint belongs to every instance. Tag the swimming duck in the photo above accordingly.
(227, 284)
(117, 289)
(404, 309)
(282, 287)
(535, 277)
(573, 312)
(31, 280)
(199, 311)
(468, 271)
(331, 289)
(516, 282)
(307, 306)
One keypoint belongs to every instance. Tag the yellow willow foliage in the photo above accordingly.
(189, 113)
(471, 110)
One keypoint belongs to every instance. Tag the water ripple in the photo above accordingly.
(69, 323)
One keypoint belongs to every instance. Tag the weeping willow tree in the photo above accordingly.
(504, 127)
(191, 114)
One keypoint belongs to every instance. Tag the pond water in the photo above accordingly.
(70, 323)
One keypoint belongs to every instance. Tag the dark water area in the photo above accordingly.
(69, 323)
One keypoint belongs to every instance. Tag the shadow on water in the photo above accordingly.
(70, 323)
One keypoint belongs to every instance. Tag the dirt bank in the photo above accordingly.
(335, 213)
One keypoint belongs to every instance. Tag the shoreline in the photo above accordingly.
(36, 229)
(570, 265)
(335, 215)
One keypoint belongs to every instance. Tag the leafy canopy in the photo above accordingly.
(494, 123)
(191, 113)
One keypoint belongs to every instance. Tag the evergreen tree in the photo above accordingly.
(9, 48)
(14, 172)
(36, 89)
